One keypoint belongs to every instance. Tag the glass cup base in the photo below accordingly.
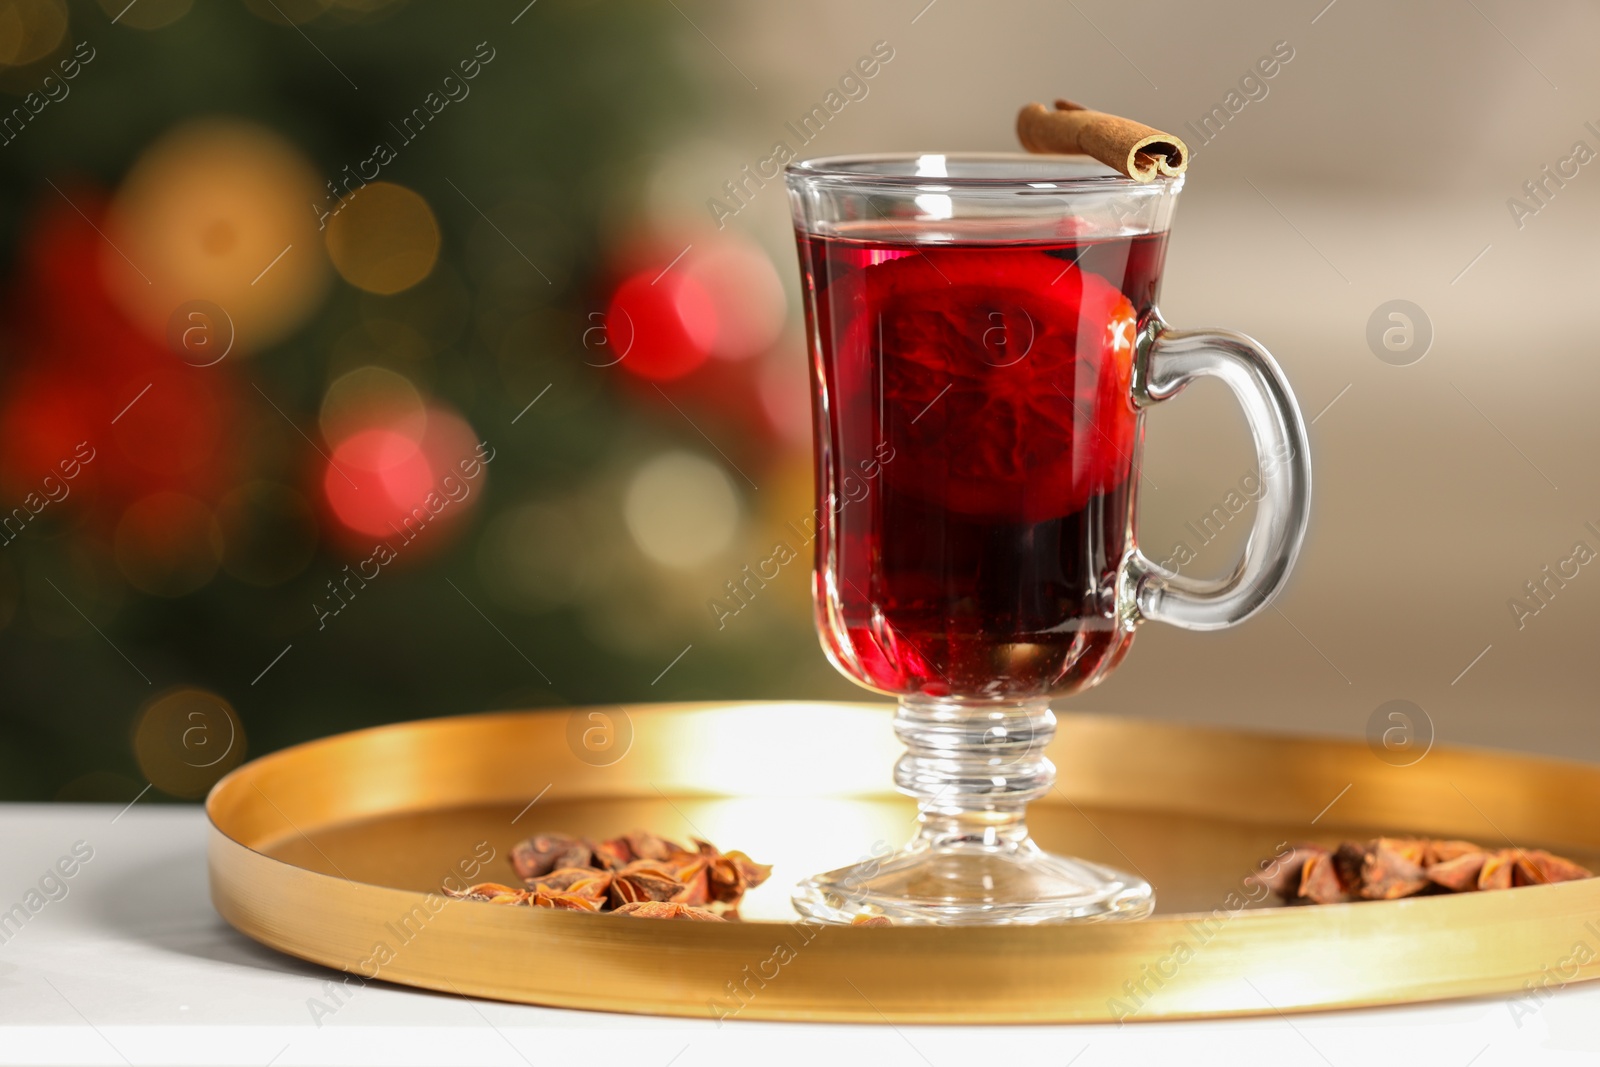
(970, 884)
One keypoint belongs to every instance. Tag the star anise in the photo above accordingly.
(637, 868)
(490, 892)
(1459, 873)
(581, 880)
(1390, 868)
(643, 845)
(1319, 883)
(695, 882)
(1498, 867)
(1539, 867)
(731, 873)
(664, 909)
(1283, 875)
(567, 901)
(544, 853)
(639, 883)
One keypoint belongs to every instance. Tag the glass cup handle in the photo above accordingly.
(1166, 361)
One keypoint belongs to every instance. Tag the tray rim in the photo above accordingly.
(1532, 761)
(668, 707)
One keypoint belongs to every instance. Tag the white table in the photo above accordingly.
(132, 965)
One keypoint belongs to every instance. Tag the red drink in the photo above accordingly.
(978, 448)
(977, 321)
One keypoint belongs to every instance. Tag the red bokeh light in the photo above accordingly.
(383, 483)
(80, 371)
(374, 480)
(746, 296)
(661, 325)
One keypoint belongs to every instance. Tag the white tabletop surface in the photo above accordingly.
(132, 966)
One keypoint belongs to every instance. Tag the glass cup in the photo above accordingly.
(984, 341)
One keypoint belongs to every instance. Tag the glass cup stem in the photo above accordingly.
(973, 767)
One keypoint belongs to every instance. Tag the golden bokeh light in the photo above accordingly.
(186, 740)
(30, 30)
(219, 210)
(383, 238)
(146, 14)
(681, 509)
(168, 544)
(370, 397)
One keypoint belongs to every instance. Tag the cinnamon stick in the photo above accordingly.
(1131, 148)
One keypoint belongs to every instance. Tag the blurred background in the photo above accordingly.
(278, 270)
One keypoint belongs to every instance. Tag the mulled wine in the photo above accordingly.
(984, 339)
(980, 455)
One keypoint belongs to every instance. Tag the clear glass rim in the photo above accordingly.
(1040, 173)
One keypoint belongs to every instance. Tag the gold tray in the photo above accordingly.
(335, 851)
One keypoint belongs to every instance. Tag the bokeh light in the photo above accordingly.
(746, 296)
(383, 483)
(660, 325)
(186, 740)
(218, 210)
(717, 297)
(30, 30)
(42, 423)
(374, 480)
(679, 177)
(179, 199)
(383, 238)
(175, 426)
(168, 544)
(372, 397)
(681, 509)
(784, 386)
(95, 401)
